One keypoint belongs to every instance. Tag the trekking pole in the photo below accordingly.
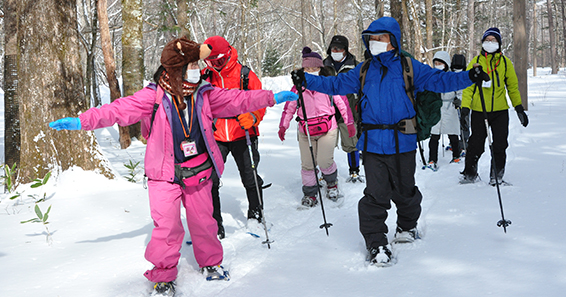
(503, 222)
(254, 169)
(302, 102)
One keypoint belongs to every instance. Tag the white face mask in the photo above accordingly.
(337, 56)
(490, 46)
(377, 47)
(313, 73)
(193, 75)
(458, 70)
(439, 67)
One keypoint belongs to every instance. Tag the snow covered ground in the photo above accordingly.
(100, 227)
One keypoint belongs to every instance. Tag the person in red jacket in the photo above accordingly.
(223, 70)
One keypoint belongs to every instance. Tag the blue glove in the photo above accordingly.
(66, 124)
(285, 96)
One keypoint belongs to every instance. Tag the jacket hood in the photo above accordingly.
(442, 56)
(383, 25)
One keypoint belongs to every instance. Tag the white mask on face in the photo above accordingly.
(193, 75)
(490, 46)
(313, 73)
(337, 56)
(458, 70)
(377, 47)
(439, 67)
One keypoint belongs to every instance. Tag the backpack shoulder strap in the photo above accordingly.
(244, 77)
(363, 73)
(158, 98)
(407, 65)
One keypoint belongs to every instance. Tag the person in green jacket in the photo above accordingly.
(503, 81)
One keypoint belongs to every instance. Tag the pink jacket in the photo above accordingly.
(316, 104)
(210, 103)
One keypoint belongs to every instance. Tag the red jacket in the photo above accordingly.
(228, 129)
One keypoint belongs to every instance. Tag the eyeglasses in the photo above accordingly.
(218, 61)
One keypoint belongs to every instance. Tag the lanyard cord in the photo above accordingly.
(191, 124)
(488, 64)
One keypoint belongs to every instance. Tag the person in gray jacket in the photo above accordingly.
(449, 122)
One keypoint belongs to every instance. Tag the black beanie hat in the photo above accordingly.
(338, 41)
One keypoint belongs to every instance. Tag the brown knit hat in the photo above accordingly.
(178, 53)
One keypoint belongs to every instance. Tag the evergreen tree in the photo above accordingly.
(271, 63)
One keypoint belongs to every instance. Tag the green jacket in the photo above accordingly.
(503, 77)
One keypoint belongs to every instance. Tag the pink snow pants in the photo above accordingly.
(163, 250)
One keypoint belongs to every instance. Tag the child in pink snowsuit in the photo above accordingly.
(320, 110)
(181, 154)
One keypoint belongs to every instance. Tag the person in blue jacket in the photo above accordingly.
(390, 170)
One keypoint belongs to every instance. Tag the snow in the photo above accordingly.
(100, 227)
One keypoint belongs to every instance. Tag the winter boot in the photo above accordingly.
(380, 256)
(355, 177)
(406, 236)
(215, 273)
(432, 165)
(309, 201)
(455, 160)
(163, 289)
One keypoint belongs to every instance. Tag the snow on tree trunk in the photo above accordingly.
(11, 106)
(50, 86)
(108, 53)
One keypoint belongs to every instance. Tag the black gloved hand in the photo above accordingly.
(457, 103)
(298, 77)
(464, 113)
(522, 115)
(477, 75)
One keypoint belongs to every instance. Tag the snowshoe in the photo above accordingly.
(380, 257)
(432, 166)
(406, 236)
(448, 147)
(354, 178)
(255, 228)
(215, 273)
(163, 289)
(500, 181)
(455, 160)
(468, 179)
(309, 201)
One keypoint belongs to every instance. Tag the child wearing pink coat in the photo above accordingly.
(320, 110)
(181, 154)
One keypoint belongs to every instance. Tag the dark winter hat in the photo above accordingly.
(458, 62)
(494, 32)
(311, 59)
(178, 53)
(338, 41)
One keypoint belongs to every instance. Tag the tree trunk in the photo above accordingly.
(108, 53)
(379, 7)
(535, 39)
(93, 92)
(51, 87)
(429, 45)
(563, 6)
(553, 61)
(406, 27)
(520, 47)
(471, 30)
(11, 105)
(182, 19)
(132, 52)
(416, 24)
(397, 13)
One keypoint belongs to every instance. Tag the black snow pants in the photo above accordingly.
(241, 154)
(499, 123)
(382, 186)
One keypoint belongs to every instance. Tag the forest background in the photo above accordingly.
(57, 53)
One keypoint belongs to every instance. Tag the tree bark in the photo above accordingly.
(429, 45)
(471, 30)
(182, 19)
(11, 105)
(520, 51)
(535, 39)
(108, 53)
(51, 87)
(132, 52)
(553, 60)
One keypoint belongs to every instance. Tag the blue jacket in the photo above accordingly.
(385, 100)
